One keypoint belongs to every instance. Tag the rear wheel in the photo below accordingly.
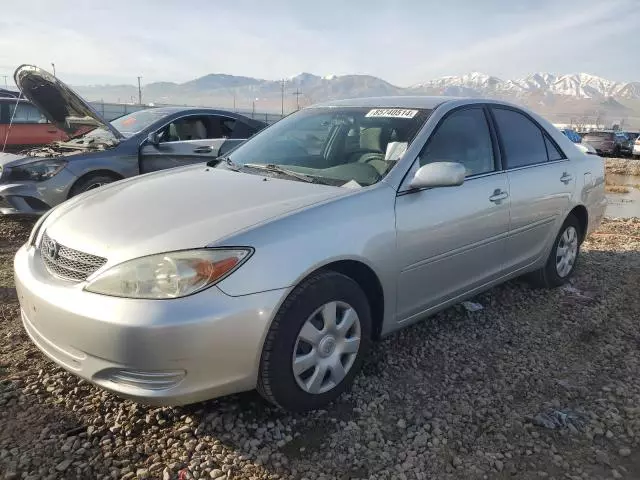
(316, 343)
(562, 260)
(91, 182)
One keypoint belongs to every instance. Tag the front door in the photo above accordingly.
(452, 240)
(184, 141)
(541, 181)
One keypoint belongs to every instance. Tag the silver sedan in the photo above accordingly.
(276, 267)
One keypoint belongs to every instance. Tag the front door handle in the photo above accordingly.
(498, 196)
(207, 149)
(566, 178)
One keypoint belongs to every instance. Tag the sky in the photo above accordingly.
(402, 41)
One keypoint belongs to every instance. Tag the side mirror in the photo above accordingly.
(439, 174)
(153, 138)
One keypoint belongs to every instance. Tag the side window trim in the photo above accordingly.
(498, 161)
(497, 157)
(543, 133)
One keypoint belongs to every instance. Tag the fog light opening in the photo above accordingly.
(145, 380)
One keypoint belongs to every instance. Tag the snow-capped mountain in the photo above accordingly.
(473, 81)
(560, 96)
(579, 85)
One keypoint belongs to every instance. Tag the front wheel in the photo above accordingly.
(90, 182)
(562, 260)
(316, 343)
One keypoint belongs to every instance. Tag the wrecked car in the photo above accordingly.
(37, 179)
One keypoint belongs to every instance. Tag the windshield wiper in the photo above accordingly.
(270, 167)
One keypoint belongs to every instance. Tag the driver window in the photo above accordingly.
(186, 128)
(462, 137)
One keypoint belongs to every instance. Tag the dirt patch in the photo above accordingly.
(455, 397)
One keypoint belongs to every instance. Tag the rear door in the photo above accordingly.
(541, 182)
(188, 140)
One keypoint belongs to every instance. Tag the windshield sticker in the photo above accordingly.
(391, 113)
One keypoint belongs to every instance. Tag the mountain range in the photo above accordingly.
(565, 97)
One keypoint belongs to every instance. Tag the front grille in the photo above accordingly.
(67, 263)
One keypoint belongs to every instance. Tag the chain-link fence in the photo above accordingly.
(111, 111)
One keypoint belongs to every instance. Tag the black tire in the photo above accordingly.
(548, 277)
(276, 380)
(90, 182)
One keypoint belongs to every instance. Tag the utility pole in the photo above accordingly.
(139, 91)
(5, 81)
(282, 95)
(297, 94)
(53, 65)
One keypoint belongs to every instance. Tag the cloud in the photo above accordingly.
(404, 42)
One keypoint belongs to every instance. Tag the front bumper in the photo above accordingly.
(35, 198)
(158, 352)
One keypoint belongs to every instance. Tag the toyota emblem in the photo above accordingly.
(51, 249)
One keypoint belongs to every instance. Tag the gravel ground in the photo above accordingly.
(538, 384)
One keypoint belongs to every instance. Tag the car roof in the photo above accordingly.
(428, 102)
(172, 110)
(410, 101)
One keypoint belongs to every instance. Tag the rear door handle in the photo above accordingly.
(498, 196)
(207, 149)
(566, 178)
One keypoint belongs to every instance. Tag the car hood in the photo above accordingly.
(61, 105)
(177, 209)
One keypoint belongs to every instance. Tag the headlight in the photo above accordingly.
(38, 171)
(169, 275)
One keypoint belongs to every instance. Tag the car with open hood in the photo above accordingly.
(98, 152)
(276, 266)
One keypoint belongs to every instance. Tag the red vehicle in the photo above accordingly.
(29, 127)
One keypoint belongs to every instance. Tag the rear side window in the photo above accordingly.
(25, 113)
(522, 140)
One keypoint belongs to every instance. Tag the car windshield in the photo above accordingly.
(334, 145)
(135, 122)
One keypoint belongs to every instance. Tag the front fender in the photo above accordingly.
(358, 227)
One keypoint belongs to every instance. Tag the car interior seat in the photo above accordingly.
(199, 131)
